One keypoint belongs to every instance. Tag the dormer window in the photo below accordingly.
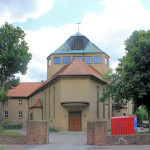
(77, 44)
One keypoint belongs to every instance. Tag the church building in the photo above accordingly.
(69, 98)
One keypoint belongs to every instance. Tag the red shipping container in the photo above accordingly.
(123, 125)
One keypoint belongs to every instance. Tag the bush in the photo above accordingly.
(141, 114)
(53, 130)
(1, 130)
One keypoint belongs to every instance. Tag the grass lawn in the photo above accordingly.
(53, 130)
(1, 148)
(2, 132)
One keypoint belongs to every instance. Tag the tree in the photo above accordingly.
(133, 73)
(14, 58)
(141, 113)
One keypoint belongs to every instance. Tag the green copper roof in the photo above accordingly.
(90, 48)
(87, 45)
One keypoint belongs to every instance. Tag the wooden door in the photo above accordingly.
(75, 121)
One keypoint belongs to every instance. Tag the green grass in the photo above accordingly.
(144, 132)
(2, 132)
(1, 148)
(53, 130)
(109, 130)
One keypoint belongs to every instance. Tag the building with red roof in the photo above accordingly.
(70, 95)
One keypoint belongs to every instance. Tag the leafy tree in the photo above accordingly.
(14, 58)
(113, 90)
(141, 113)
(133, 72)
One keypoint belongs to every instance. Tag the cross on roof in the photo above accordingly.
(78, 25)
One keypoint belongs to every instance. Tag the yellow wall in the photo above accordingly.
(75, 89)
(93, 102)
(13, 109)
(72, 89)
(53, 68)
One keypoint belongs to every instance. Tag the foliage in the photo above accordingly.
(14, 57)
(3, 96)
(141, 113)
(1, 130)
(1, 148)
(113, 90)
(53, 130)
(132, 76)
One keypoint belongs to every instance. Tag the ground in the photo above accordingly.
(71, 141)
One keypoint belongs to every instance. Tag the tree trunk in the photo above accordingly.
(149, 118)
(2, 107)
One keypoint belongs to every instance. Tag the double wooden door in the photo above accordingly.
(74, 121)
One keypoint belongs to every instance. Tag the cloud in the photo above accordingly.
(107, 29)
(41, 44)
(21, 10)
(110, 28)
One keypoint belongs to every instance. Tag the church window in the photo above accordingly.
(88, 59)
(6, 114)
(79, 57)
(97, 101)
(20, 114)
(57, 60)
(104, 107)
(106, 61)
(49, 62)
(66, 59)
(97, 59)
(77, 44)
(49, 101)
(45, 104)
(53, 102)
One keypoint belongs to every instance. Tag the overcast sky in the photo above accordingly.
(48, 24)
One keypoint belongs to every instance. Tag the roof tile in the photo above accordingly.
(37, 104)
(24, 89)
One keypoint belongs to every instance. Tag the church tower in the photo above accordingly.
(77, 46)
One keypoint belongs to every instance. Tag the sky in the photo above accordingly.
(49, 23)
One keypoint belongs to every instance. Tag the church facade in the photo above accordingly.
(70, 95)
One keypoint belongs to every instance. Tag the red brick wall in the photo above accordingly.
(37, 133)
(13, 139)
(97, 133)
(129, 140)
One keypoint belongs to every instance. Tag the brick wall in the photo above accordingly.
(37, 133)
(13, 139)
(97, 135)
(129, 140)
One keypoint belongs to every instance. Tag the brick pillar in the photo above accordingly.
(37, 132)
(90, 133)
(97, 133)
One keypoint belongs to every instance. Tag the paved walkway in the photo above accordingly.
(70, 141)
